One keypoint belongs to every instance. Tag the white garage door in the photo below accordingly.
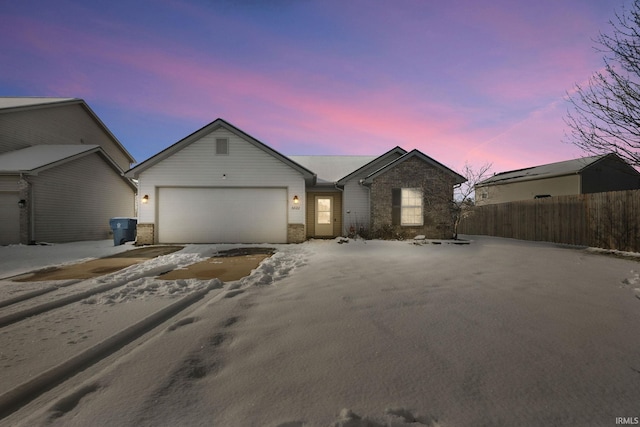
(222, 215)
(9, 218)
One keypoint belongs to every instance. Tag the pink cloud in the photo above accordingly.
(535, 140)
(296, 113)
(522, 51)
(191, 86)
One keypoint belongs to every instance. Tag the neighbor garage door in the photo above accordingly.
(222, 215)
(9, 218)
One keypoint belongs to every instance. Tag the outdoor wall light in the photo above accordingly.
(296, 200)
(22, 203)
(145, 199)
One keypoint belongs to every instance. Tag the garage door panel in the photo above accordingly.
(222, 215)
(10, 215)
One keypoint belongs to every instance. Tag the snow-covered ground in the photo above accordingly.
(498, 332)
(18, 259)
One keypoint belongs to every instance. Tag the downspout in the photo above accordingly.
(335, 186)
(581, 182)
(30, 206)
(32, 217)
(361, 182)
(457, 218)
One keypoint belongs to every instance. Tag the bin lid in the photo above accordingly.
(119, 222)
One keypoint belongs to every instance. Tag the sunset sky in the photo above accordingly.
(461, 80)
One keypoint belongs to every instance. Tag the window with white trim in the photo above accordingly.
(407, 206)
(411, 207)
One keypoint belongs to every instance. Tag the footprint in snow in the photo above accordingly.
(182, 322)
(393, 416)
(230, 321)
(232, 294)
(632, 281)
(69, 402)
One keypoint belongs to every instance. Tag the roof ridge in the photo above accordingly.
(564, 167)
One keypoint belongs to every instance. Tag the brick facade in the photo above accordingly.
(437, 189)
(295, 233)
(145, 234)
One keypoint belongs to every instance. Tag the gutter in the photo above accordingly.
(525, 179)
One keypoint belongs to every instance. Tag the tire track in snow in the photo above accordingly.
(61, 302)
(200, 363)
(33, 294)
(191, 369)
(21, 395)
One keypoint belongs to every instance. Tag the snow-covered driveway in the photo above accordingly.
(498, 333)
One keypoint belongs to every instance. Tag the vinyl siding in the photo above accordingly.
(609, 174)
(9, 218)
(356, 210)
(527, 190)
(67, 124)
(356, 205)
(197, 165)
(75, 201)
(9, 183)
(9, 210)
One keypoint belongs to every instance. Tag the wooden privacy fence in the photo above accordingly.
(605, 220)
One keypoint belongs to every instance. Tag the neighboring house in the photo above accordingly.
(594, 174)
(220, 184)
(61, 172)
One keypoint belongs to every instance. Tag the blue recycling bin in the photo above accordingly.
(124, 230)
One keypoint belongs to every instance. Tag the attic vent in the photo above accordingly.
(222, 146)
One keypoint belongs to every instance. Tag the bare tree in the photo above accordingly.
(606, 111)
(463, 202)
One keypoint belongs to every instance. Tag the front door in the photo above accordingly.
(324, 215)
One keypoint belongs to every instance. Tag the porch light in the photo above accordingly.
(22, 203)
(296, 200)
(145, 199)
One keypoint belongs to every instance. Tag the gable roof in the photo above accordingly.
(394, 151)
(330, 169)
(459, 179)
(37, 158)
(11, 104)
(15, 102)
(551, 170)
(211, 127)
(340, 168)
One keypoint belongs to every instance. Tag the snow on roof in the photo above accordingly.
(544, 171)
(21, 101)
(37, 156)
(332, 168)
(9, 103)
(415, 153)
